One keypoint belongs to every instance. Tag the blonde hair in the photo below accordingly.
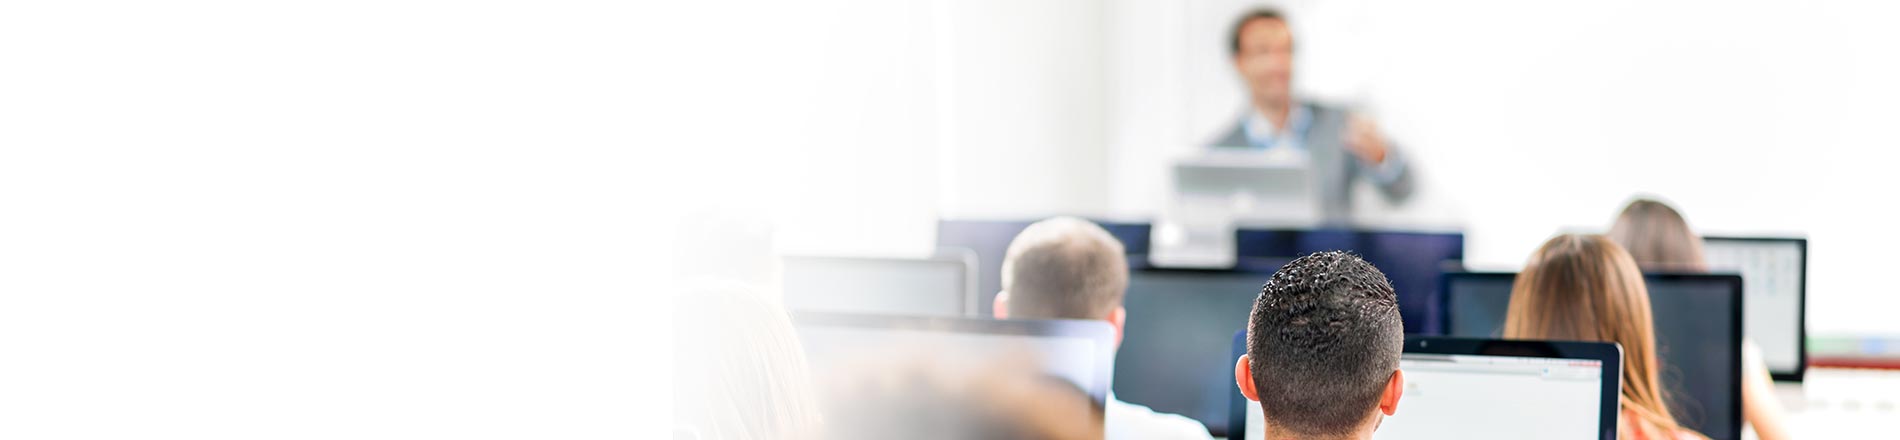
(739, 370)
(1658, 238)
(1586, 288)
(1065, 268)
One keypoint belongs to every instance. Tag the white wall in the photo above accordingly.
(859, 122)
(1522, 119)
(1526, 118)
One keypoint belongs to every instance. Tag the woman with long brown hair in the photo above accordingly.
(1659, 239)
(1586, 288)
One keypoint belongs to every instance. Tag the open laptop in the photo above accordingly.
(1698, 322)
(940, 285)
(1774, 278)
(1490, 389)
(1079, 351)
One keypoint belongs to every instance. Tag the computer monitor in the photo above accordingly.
(1246, 187)
(1774, 278)
(941, 285)
(1698, 323)
(1080, 351)
(1174, 355)
(1412, 260)
(1490, 389)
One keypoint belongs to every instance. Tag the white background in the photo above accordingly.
(408, 219)
(1524, 119)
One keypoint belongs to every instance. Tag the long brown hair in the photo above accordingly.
(1658, 238)
(1586, 288)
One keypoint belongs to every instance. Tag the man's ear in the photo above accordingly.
(1118, 319)
(1243, 377)
(1389, 400)
(1000, 306)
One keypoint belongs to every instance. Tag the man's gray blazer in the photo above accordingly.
(1334, 168)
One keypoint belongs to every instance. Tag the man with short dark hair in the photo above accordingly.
(1069, 268)
(1337, 146)
(1323, 348)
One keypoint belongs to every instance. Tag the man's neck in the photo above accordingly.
(1274, 434)
(1363, 433)
(1276, 111)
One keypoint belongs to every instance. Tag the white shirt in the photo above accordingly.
(1128, 421)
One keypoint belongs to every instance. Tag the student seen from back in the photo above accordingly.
(1660, 240)
(1586, 288)
(1323, 347)
(1068, 268)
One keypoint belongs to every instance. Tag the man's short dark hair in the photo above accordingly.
(1233, 37)
(1324, 339)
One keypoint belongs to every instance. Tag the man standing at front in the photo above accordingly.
(1337, 146)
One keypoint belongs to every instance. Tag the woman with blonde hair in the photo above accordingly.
(1586, 288)
(1659, 239)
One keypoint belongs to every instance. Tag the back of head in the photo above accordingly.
(1324, 339)
(1658, 238)
(1586, 288)
(1064, 268)
(739, 370)
(920, 398)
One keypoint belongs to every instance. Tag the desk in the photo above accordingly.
(1841, 403)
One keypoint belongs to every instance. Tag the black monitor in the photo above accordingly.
(1458, 388)
(1698, 323)
(1413, 261)
(1174, 354)
(940, 285)
(1081, 352)
(1774, 278)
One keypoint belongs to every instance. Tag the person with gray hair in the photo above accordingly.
(1069, 268)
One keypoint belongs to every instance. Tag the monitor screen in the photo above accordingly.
(1458, 394)
(1078, 351)
(1773, 272)
(1697, 320)
(939, 286)
(1174, 355)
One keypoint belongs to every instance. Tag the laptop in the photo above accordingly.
(1459, 388)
